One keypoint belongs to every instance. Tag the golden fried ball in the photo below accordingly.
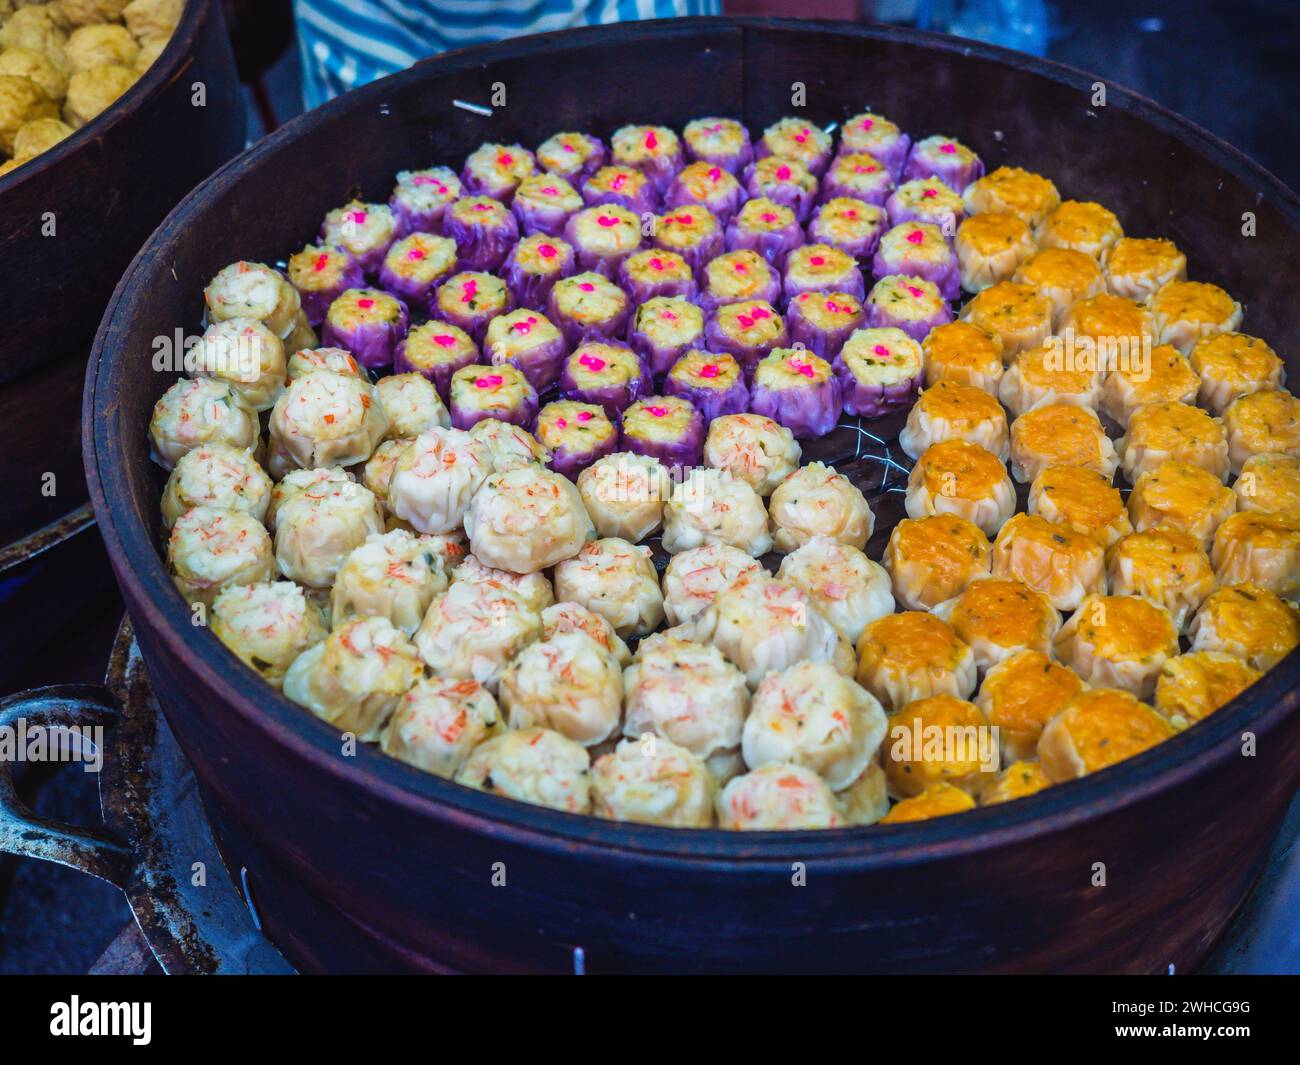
(39, 67)
(100, 46)
(148, 19)
(10, 164)
(149, 52)
(89, 12)
(39, 135)
(21, 100)
(37, 27)
(91, 91)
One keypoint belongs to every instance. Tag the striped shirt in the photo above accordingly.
(346, 43)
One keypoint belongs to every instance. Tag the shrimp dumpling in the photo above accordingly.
(817, 500)
(473, 629)
(533, 765)
(355, 677)
(845, 586)
(687, 693)
(654, 782)
(568, 683)
(616, 580)
(694, 578)
(435, 478)
(439, 722)
(715, 507)
(527, 519)
(813, 716)
(766, 625)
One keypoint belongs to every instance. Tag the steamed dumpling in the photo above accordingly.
(355, 677)
(616, 580)
(715, 507)
(813, 716)
(568, 683)
(526, 519)
(473, 629)
(819, 501)
(436, 477)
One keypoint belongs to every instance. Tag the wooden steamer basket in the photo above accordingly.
(364, 863)
(104, 189)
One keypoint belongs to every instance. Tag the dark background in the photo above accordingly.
(1232, 68)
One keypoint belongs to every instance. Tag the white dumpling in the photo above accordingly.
(778, 797)
(617, 580)
(653, 781)
(715, 507)
(216, 475)
(439, 722)
(324, 419)
(526, 519)
(510, 445)
(318, 527)
(473, 629)
(574, 617)
(196, 412)
(766, 625)
(753, 447)
(391, 575)
(436, 477)
(845, 586)
(819, 501)
(533, 765)
(533, 588)
(411, 405)
(296, 481)
(625, 494)
(355, 677)
(568, 683)
(253, 290)
(813, 716)
(685, 692)
(694, 578)
(267, 626)
(210, 549)
(246, 355)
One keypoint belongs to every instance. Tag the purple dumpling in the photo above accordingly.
(663, 329)
(918, 249)
(534, 265)
(322, 274)
(823, 321)
(367, 322)
(767, 227)
(484, 231)
(714, 382)
(607, 373)
(797, 389)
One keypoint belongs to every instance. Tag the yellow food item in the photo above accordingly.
(1082, 226)
(963, 353)
(1193, 686)
(1182, 496)
(938, 801)
(1096, 729)
(1083, 500)
(941, 739)
(933, 558)
(1027, 195)
(39, 67)
(1248, 621)
(1021, 694)
(1018, 781)
(91, 92)
(21, 101)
